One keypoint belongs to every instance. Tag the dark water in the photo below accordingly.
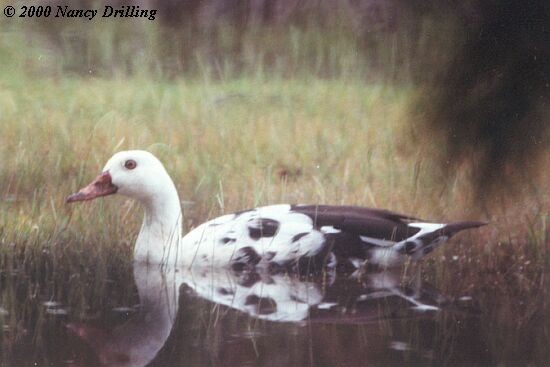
(201, 317)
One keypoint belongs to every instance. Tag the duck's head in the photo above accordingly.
(134, 173)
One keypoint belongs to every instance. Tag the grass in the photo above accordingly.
(233, 145)
(227, 145)
(237, 140)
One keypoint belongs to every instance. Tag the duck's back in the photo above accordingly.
(284, 235)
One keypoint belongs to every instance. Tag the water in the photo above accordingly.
(147, 315)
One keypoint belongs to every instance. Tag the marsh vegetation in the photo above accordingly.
(248, 117)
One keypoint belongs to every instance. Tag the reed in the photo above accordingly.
(296, 117)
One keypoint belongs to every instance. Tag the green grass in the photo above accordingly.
(221, 142)
(228, 145)
(234, 145)
(233, 140)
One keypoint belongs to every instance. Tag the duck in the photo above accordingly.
(282, 236)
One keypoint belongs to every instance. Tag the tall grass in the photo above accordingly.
(298, 117)
(335, 45)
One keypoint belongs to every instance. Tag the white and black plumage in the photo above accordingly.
(259, 295)
(278, 235)
(283, 234)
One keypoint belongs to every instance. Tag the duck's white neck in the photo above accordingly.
(159, 239)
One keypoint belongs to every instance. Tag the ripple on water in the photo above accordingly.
(123, 311)
(249, 334)
(399, 345)
(51, 304)
(55, 308)
(56, 311)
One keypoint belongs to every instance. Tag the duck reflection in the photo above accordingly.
(289, 298)
(272, 297)
(137, 341)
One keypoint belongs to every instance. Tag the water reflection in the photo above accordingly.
(131, 316)
(137, 341)
(287, 298)
(242, 297)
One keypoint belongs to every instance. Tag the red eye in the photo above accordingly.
(130, 164)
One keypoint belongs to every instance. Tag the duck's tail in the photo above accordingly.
(430, 236)
(452, 228)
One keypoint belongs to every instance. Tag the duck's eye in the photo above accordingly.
(130, 164)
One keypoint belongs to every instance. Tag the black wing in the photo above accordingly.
(359, 221)
(358, 229)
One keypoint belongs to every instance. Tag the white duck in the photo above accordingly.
(278, 235)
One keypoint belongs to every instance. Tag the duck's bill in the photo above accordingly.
(101, 186)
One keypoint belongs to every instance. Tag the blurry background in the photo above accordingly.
(374, 39)
(476, 73)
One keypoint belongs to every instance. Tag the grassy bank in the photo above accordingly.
(230, 145)
(227, 145)
(233, 145)
(237, 139)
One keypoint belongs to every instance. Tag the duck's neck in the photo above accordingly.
(160, 235)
